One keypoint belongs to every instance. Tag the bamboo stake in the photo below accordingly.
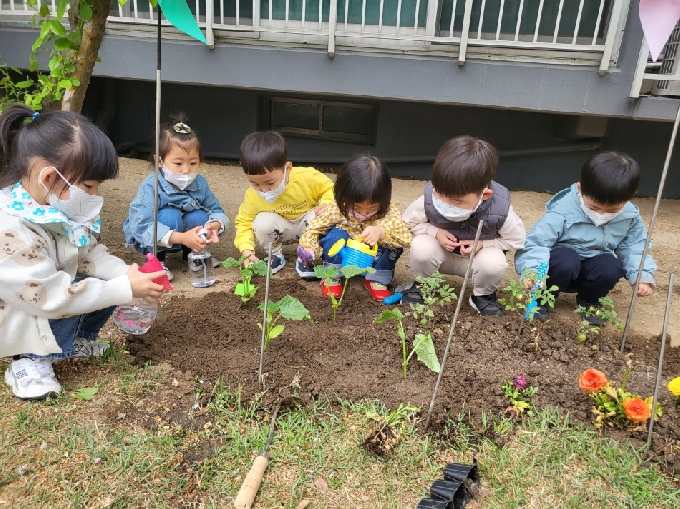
(453, 323)
(661, 352)
(662, 182)
(264, 320)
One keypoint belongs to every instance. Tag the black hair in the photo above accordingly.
(363, 178)
(610, 178)
(176, 133)
(262, 152)
(68, 141)
(464, 165)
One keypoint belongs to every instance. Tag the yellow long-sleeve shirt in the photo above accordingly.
(397, 233)
(307, 188)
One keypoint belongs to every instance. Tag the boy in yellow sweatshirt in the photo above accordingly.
(281, 201)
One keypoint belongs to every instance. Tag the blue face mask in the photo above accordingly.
(451, 212)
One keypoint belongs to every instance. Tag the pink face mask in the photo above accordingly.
(363, 217)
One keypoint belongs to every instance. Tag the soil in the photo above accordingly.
(204, 334)
(215, 336)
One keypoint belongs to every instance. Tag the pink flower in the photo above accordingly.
(519, 382)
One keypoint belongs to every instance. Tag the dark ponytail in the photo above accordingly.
(66, 140)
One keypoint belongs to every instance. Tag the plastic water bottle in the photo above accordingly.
(138, 316)
(200, 265)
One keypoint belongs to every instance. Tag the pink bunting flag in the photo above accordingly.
(658, 19)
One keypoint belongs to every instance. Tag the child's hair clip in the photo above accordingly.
(35, 114)
(182, 128)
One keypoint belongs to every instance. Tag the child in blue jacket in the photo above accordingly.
(185, 202)
(592, 235)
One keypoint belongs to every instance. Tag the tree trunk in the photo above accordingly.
(86, 55)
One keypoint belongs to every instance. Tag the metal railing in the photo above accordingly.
(547, 28)
(660, 78)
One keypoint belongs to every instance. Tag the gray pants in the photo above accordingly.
(271, 227)
(488, 267)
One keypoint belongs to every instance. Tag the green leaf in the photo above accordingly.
(292, 309)
(74, 37)
(424, 348)
(276, 331)
(350, 271)
(24, 84)
(389, 314)
(44, 11)
(259, 268)
(57, 27)
(62, 5)
(87, 393)
(232, 262)
(70, 68)
(325, 272)
(98, 59)
(62, 43)
(85, 11)
(65, 83)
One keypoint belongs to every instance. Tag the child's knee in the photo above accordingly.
(195, 218)
(424, 248)
(492, 263)
(565, 260)
(172, 218)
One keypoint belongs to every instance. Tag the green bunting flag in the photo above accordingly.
(177, 12)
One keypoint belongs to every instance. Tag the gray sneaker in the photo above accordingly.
(84, 349)
(32, 378)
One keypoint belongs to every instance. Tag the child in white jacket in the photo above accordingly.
(51, 166)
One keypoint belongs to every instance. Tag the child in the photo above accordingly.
(50, 172)
(281, 202)
(592, 236)
(444, 221)
(361, 210)
(185, 202)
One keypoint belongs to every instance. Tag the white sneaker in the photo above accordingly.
(216, 263)
(84, 349)
(32, 378)
(167, 271)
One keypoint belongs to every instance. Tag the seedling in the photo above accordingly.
(246, 289)
(519, 393)
(423, 346)
(348, 272)
(606, 312)
(434, 290)
(289, 308)
(520, 297)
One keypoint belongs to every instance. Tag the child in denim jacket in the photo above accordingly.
(592, 236)
(185, 202)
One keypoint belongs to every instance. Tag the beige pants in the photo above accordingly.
(271, 227)
(488, 267)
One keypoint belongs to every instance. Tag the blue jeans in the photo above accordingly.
(385, 260)
(591, 278)
(66, 330)
(177, 221)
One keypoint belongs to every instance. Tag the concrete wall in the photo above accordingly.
(406, 130)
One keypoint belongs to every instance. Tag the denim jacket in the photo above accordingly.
(566, 225)
(138, 227)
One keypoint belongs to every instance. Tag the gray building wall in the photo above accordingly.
(408, 135)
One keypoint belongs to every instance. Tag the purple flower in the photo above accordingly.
(519, 382)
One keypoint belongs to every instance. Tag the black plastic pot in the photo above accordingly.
(430, 503)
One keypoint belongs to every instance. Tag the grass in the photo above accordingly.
(72, 453)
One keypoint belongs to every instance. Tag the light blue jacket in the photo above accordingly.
(138, 227)
(566, 225)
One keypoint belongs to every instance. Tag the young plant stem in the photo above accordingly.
(625, 379)
(408, 359)
(402, 335)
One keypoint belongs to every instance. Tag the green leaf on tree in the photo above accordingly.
(424, 348)
(44, 11)
(62, 5)
(57, 27)
(85, 11)
(62, 43)
(24, 84)
(65, 83)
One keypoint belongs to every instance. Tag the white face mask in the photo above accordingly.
(80, 207)
(271, 196)
(451, 212)
(597, 218)
(179, 180)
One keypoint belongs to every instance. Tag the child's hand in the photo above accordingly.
(466, 247)
(528, 284)
(310, 251)
(372, 235)
(142, 285)
(320, 209)
(644, 290)
(250, 258)
(191, 240)
(447, 240)
(212, 229)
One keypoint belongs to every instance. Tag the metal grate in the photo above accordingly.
(669, 61)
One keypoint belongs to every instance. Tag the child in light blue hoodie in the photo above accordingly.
(592, 235)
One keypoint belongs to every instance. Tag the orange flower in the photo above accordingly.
(636, 409)
(592, 380)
